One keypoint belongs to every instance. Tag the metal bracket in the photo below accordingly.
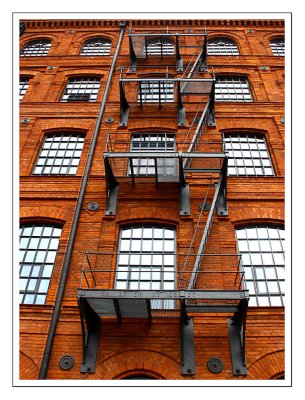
(90, 337)
(222, 209)
(180, 107)
(133, 57)
(211, 110)
(124, 106)
(179, 60)
(237, 336)
(184, 192)
(187, 360)
(203, 67)
(112, 188)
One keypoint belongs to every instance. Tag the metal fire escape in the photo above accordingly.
(192, 297)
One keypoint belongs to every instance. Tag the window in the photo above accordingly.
(248, 155)
(159, 46)
(36, 48)
(23, 86)
(38, 247)
(232, 89)
(156, 142)
(262, 251)
(156, 91)
(146, 261)
(60, 154)
(82, 89)
(222, 46)
(96, 47)
(278, 47)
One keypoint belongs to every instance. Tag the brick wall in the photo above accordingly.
(134, 347)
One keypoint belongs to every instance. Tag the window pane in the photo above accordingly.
(267, 279)
(35, 276)
(145, 249)
(250, 163)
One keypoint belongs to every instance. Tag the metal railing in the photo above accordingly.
(218, 272)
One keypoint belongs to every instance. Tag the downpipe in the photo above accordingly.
(65, 270)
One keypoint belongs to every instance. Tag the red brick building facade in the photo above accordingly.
(168, 263)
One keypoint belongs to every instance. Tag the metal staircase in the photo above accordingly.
(97, 301)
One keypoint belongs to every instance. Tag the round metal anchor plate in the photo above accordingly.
(92, 206)
(66, 362)
(215, 365)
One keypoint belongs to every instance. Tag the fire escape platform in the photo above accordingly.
(212, 163)
(97, 303)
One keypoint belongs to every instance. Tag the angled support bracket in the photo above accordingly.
(187, 360)
(179, 60)
(132, 56)
(184, 192)
(90, 336)
(112, 188)
(203, 67)
(180, 107)
(237, 335)
(222, 208)
(211, 109)
(124, 106)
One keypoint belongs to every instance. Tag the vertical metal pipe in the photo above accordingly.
(65, 270)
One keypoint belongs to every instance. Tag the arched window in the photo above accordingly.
(38, 247)
(222, 46)
(278, 47)
(36, 48)
(155, 142)
(96, 47)
(60, 154)
(248, 155)
(146, 261)
(23, 86)
(262, 251)
(82, 89)
(159, 46)
(232, 88)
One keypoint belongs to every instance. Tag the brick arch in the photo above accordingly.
(269, 366)
(28, 367)
(46, 214)
(253, 216)
(130, 362)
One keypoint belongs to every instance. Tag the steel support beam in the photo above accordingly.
(222, 209)
(124, 106)
(203, 67)
(192, 294)
(184, 192)
(237, 335)
(132, 55)
(211, 109)
(90, 336)
(179, 60)
(180, 108)
(112, 189)
(187, 357)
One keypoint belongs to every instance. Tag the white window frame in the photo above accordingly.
(60, 154)
(36, 48)
(247, 155)
(262, 254)
(232, 88)
(147, 261)
(96, 47)
(38, 250)
(222, 46)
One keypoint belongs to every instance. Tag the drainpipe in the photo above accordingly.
(65, 270)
